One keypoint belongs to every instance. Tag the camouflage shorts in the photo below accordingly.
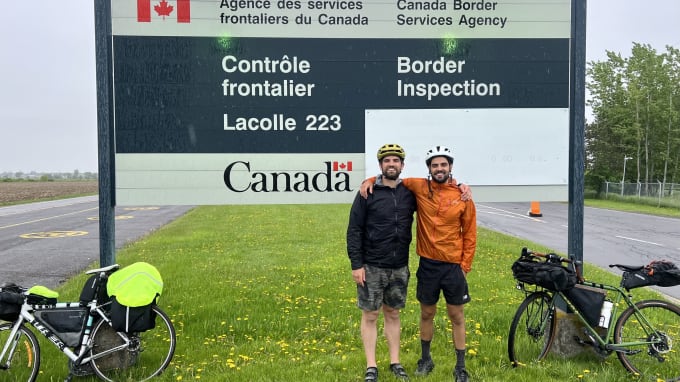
(383, 286)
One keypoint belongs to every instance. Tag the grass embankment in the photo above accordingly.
(630, 205)
(264, 293)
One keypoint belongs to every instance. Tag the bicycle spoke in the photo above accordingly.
(147, 354)
(532, 330)
(23, 356)
(652, 340)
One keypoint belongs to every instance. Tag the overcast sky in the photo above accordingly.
(47, 73)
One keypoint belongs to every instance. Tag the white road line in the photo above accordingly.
(48, 218)
(641, 241)
(505, 213)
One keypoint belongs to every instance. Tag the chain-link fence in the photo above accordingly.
(658, 190)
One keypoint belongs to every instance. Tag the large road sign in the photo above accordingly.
(265, 101)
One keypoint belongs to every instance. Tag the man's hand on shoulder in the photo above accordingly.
(366, 188)
(466, 191)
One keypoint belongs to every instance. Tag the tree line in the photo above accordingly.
(635, 103)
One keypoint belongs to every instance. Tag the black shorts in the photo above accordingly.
(435, 276)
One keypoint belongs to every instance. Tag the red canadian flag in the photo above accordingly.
(339, 166)
(162, 8)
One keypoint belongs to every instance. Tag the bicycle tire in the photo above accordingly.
(147, 355)
(654, 361)
(532, 330)
(25, 362)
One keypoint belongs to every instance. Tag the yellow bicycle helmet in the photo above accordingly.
(391, 149)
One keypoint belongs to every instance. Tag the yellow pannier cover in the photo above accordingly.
(43, 291)
(137, 284)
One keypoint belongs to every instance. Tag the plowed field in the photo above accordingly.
(11, 192)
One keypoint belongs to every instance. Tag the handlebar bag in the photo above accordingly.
(550, 276)
(10, 306)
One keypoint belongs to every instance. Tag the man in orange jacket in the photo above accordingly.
(446, 241)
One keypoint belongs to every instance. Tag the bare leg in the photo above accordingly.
(392, 332)
(457, 317)
(427, 313)
(369, 335)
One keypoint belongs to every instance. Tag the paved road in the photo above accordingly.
(45, 243)
(609, 236)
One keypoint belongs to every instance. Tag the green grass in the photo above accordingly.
(633, 204)
(265, 293)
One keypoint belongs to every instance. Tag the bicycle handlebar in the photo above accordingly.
(548, 256)
(554, 258)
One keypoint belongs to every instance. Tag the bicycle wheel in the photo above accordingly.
(23, 356)
(532, 330)
(147, 354)
(654, 357)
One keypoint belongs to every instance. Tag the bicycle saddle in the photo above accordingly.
(629, 268)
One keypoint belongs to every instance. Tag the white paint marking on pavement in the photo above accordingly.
(47, 218)
(505, 213)
(641, 241)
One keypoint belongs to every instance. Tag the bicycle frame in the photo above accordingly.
(606, 341)
(26, 317)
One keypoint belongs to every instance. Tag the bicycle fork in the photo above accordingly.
(11, 346)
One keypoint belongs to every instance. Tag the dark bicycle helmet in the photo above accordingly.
(438, 151)
(391, 149)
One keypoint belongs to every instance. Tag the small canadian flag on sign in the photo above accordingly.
(340, 166)
(181, 10)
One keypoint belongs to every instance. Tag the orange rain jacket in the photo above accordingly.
(447, 226)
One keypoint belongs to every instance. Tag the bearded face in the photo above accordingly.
(391, 167)
(440, 169)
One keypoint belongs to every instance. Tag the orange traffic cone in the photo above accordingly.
(535, 210)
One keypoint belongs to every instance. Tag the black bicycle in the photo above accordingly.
(83, 332)
(645, 334)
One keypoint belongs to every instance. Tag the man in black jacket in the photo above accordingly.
(378, 240)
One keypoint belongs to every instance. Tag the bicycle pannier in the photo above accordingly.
(550, 276)
(67, 324)
(132, 319)
(10, 305)
(588, 301)
(134, 290)
(662, 273)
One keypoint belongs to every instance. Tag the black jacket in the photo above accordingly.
(379, 230)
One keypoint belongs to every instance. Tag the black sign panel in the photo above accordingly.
(208, 95)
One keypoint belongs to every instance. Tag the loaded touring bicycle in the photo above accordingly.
(116, 331)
